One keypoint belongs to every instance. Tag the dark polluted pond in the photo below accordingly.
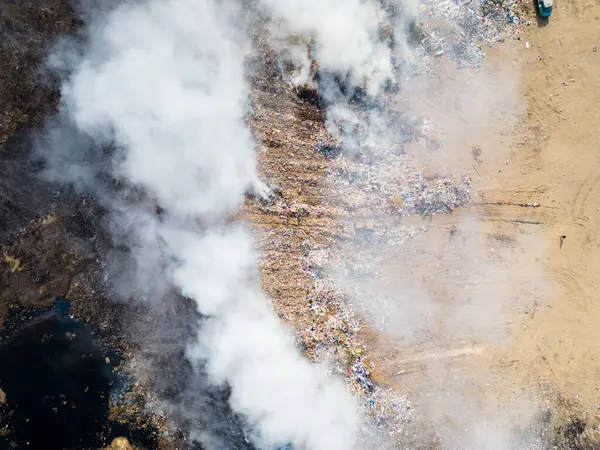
(58, 381)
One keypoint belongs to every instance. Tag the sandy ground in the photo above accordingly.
(514, 312)
(532, 328)
(558, 168)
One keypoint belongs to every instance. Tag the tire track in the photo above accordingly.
(587, 195)
(576, 290)
(582, 196)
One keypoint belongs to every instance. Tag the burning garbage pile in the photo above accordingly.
(460, 29)
(334, 338)
(369, 178)
(363, 186)
(331, 332)
(385, 187)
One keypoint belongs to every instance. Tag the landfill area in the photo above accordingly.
(431, 249)
(463, 30)
(424, 284)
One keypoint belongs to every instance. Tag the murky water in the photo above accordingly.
(58, 381)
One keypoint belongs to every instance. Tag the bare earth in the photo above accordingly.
(530, 334)
(534, 182)
(559, 168)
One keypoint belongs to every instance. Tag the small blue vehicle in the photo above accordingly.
(545, 8)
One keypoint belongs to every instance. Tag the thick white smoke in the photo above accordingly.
(165, 82)
(351, 40)
(169, 84)
(345, 36)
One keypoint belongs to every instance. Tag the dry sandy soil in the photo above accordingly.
(527, 334)
(534, 181)
(558, 168)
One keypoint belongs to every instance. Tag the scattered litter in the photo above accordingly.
(462, 28)
(377, 180)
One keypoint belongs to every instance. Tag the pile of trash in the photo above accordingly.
(365, 186)
(332, 333)
(434, 197)
(334, 338)
(460, 29)
(331, 148)
(388, 184)
(374, 181)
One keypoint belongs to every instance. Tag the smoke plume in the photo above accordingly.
(156, 101)
(345, 37)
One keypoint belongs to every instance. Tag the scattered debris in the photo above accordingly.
(468, 26)
(562, 240)
(120, 443)
(477, 153)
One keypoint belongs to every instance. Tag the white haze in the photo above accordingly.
(345, 36)
(345, 40)
(165, 81)
(480, 314)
